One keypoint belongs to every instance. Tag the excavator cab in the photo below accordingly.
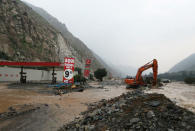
(138, 80)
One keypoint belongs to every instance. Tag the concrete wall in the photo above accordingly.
(13, 74)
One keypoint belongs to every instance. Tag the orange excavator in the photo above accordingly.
(138, 80)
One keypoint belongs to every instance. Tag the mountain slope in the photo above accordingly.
(81, 50)
(26, 36)
(188, 64)
(125, 70)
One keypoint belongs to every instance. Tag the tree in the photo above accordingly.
(91, 77)
(100, 73)
(79, 77)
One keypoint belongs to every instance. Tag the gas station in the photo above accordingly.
(22, 65)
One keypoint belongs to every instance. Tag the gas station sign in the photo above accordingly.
(87, 68)
(68, 76)
(88, 61)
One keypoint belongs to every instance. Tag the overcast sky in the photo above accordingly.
(130, 32)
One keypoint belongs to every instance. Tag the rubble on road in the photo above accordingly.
(135, 111)
(17, 110)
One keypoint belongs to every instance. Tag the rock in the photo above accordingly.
(110, 112)
(154, 103)
(14, 12)
(138, 127)
(160, 124)
(28, 39)
(93, 113)
(137, 111)
(183, 124)
(116, 110)
(134, 120)
(193, 121)
(101, 87)
(188, 127)
(91, 127)
(12, 109)
(113, 119)
(18, 53)
(150, 114)
(77, 125)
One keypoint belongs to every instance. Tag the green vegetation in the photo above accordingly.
(177, 76)
(91, 77)
(100, 73)
(4, 56)
(186, 76)
(79, 70)
(79, 77)
(189, 80)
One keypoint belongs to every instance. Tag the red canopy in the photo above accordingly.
(46, 64)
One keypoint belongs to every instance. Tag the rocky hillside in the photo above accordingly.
(188, 64)
(27, 36)
(80, 49)
(24, 35)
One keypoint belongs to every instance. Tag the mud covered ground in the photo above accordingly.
(34, 107)
(135, 111)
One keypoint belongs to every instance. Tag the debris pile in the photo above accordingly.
(136, 111)
(18, 110)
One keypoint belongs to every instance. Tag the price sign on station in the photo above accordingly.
(87, 68)
(68, 76)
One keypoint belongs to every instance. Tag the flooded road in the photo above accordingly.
(54, 111)
(182, 94)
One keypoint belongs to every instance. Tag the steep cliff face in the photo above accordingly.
(24, 35)
(27, 36)
(78, 48)
(65, 50)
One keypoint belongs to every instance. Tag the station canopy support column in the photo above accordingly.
(22, 76)
(32, 64)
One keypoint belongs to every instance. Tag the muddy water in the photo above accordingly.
(9, 97)
(182, 94)
(60, 109)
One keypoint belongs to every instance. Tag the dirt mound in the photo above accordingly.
(136, 111)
